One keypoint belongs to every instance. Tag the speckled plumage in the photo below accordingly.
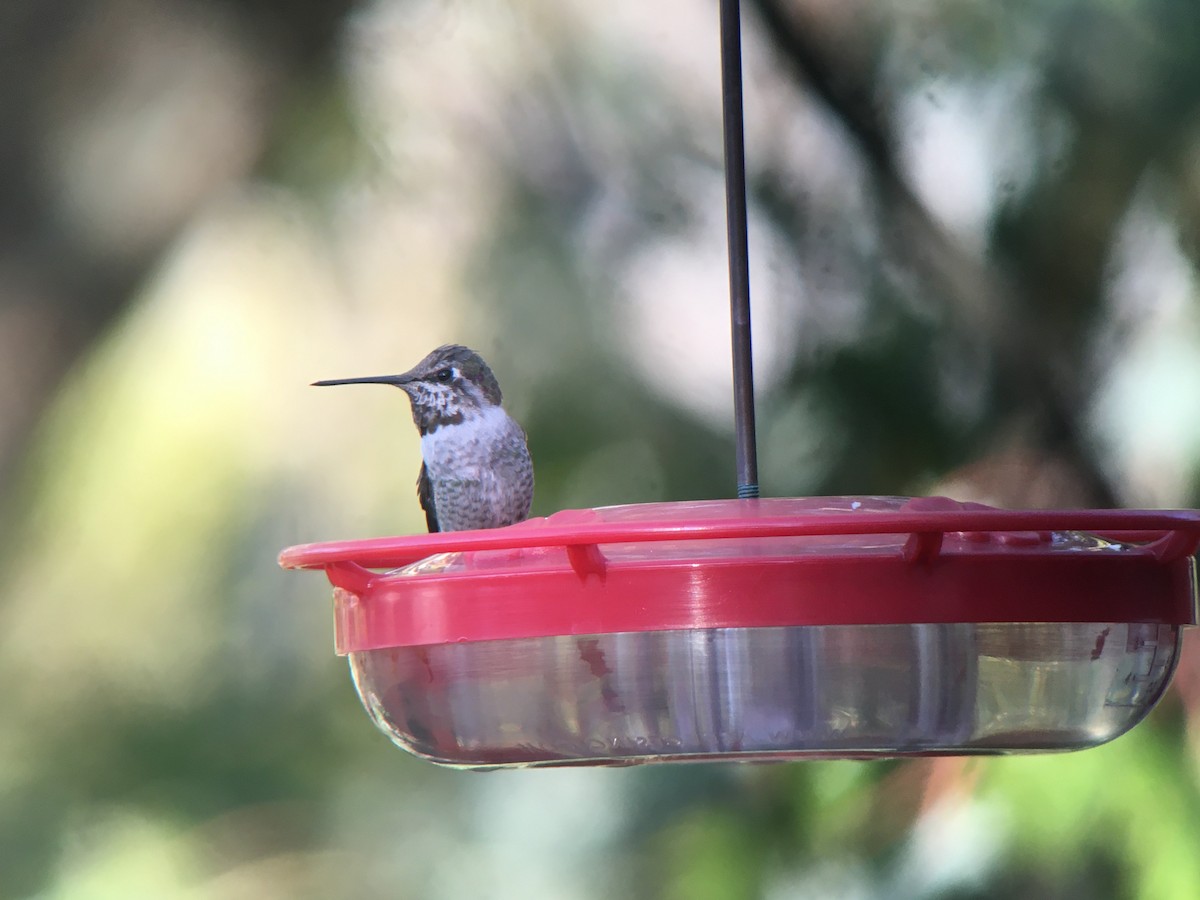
(477, 472)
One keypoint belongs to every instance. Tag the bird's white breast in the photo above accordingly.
(479, 471)
(456, 445)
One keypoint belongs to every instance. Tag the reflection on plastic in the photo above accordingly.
(768, 693)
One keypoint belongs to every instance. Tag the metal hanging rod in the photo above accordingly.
(739, 252)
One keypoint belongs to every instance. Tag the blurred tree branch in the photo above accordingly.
(1031, 317)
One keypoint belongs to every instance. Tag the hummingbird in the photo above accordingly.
(476, 471)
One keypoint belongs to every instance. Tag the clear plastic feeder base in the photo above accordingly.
(768, 693)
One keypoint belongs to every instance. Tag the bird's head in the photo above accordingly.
(448, 386)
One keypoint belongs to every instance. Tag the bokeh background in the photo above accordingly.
(974, 247)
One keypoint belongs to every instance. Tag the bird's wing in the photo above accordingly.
(425, 495)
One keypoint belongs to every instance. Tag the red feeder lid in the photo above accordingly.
(759, 563)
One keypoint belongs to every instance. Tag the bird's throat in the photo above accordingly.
(441, 419)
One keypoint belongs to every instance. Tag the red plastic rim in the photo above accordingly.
(761, 563)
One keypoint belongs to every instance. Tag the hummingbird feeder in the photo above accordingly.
(763, 629)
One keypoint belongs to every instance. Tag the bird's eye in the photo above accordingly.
(444, 375)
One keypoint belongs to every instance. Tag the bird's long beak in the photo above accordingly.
(394, 380)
